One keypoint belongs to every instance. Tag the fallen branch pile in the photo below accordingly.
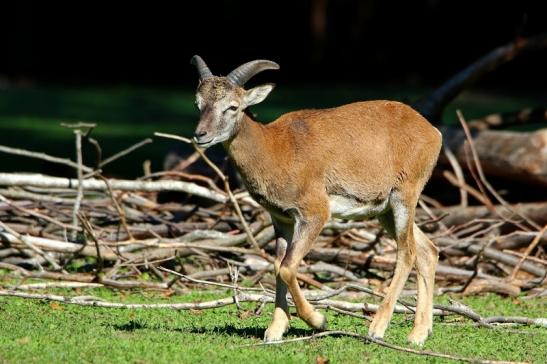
(93, 232)
(115, 232)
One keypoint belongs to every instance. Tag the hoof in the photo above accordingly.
(276, 330)
(270, 337)
(376, 332)
(317, 321)
(375, 335)
(273, 334)
(418, 337)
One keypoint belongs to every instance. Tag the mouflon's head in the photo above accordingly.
(222, 100)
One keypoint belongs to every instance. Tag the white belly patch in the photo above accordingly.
(348, 208)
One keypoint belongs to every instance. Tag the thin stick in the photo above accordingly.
(43, 156)
(465, 187)
(125, 152)
(478, 258)
(182, 165)
(173, 136)
(471, 165)
(80, 125)
(80, 190)
(342, 306)
(87, 226)
(459, 174)
(121, 214)
(186, 176)
(243, 297)
(224, 179)
(531, 247)
(47, 285)
(230, 286)
(98, 152)
(379, 342)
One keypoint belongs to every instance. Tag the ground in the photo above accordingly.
(35, 331)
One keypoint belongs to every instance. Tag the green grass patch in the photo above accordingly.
(35, 331)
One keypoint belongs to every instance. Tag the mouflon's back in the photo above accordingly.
(382, 142)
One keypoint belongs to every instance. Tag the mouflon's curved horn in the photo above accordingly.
(243, 73)
(204, 71)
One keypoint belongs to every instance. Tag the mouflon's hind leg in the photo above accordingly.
(399, 222)
(280, 320)
(310, 220)
(427, 255)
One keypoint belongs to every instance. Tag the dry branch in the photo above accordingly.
(457, 215)
(43, 156)
(380, 342)
(38, 180)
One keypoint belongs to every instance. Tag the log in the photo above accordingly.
(515, 156)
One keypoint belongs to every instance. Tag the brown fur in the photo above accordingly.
(363, 149)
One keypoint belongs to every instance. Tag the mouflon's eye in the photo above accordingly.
(232, 108)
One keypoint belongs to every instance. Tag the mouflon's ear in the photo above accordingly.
(257, 94)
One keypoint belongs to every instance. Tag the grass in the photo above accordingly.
(34, 331)
(30, 117)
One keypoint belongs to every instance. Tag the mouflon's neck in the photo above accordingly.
(249, 148)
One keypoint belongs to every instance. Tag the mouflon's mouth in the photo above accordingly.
(204, 143)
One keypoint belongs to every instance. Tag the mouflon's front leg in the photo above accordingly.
(308, 226)
(280, 320)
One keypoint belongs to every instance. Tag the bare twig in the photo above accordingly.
(125, 152)
(193, 280)
(224, 179)
(465, 187)
(529, 249)
(87, 226)
(243, 297)
(48, 285)
(459, 174)
(121, 214)
(43, 156)
(80, 190)
(379, 342)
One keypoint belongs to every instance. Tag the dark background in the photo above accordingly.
(423, 41)
(125, 65)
